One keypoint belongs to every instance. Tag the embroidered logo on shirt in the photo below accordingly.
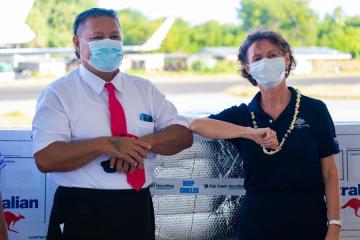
(301, 123)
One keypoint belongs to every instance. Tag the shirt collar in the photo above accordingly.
(96, 83)
(254, 105)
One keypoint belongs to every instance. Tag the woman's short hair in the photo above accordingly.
(273, 37)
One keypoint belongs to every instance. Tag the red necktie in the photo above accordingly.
(119, 128)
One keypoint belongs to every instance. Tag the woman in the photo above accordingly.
(285, 187)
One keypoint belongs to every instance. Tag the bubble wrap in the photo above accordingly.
(185, 217)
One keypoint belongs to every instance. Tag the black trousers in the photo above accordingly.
(101, 214)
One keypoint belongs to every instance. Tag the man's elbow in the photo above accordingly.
(183, 141)
(186, 142)
(186, 136)
(41, 163)
(189, 140)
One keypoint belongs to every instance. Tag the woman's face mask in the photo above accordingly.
(268, 72)
(105, 55)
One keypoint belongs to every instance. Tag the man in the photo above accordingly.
(3, 228)
(98, 113)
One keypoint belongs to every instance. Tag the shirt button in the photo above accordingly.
(270, 121)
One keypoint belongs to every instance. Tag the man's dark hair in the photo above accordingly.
(273, 37)
(92, 12)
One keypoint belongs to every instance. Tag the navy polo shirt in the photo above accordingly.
(297, 166)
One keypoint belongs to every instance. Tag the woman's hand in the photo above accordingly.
(333, 232)
(266, 137)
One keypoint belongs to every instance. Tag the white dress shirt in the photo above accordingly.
(75, 108)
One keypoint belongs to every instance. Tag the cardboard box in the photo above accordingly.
(27, 193)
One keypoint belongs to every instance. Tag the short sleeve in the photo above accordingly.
(50, 122)
(232, 115)
(327, 141)
(235, 115)
(165, 112)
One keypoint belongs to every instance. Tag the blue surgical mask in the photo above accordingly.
(268, 72)
(105, 55)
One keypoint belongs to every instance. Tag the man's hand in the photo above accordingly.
(265, 137)
(126, 167)
(126, 150)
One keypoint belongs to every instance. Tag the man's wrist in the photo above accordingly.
(99, 143)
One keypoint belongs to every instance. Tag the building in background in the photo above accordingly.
(308, 59)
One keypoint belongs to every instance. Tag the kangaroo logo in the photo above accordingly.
(353, 203)
(11, 219)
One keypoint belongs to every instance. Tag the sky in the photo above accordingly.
(224, 11)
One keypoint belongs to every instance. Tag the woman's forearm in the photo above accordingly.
(331, 180)
(215, 129)
(332, 197)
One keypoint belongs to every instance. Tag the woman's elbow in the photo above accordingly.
(194, 125)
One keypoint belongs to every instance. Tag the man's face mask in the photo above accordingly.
(105, 55)
(268, 72)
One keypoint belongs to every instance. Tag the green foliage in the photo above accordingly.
(52, 21)
(340, 32)
(186, 38)
(179, 38)
(293, 18)
(136, 27)
(300, 25)
(226, 66)
(199, 66)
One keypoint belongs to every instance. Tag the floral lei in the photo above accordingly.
(291, 127)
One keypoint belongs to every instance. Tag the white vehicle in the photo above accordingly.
(16, 31)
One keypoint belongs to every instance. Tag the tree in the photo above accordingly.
(293, 18)
(136, 27)
(213, 33)
(52, 21)
(179, 38)
(340, 32)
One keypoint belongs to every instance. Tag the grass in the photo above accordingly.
(323, 91)
(15, 119)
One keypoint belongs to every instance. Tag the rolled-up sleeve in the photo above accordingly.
(50, 123)
(327, 141)
(165, 112)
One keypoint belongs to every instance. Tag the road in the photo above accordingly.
(31, 92)
(191, 99)
(220, 86)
